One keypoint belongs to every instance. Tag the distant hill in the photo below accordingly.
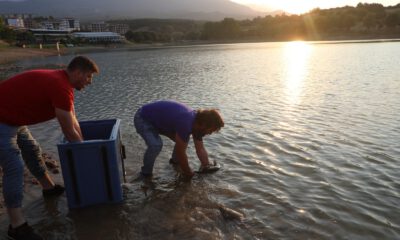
(113, 9)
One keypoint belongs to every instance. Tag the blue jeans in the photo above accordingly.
(153, 141)
(16, 145)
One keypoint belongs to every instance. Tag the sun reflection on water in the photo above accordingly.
(296, 56)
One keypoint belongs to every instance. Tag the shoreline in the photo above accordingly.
(10, 55)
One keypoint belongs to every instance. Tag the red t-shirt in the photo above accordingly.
(31, 97)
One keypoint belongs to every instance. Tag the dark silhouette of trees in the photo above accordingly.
(24, 37)
(6, 33)
(363, 21)
(143, 36)
(226, 29)
(392, 19)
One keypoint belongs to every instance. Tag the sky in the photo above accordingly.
(302, 6)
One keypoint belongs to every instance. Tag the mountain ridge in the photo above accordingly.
(104, 9)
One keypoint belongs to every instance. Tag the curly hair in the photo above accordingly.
(209, 118)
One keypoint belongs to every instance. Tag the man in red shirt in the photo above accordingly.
(28, 98)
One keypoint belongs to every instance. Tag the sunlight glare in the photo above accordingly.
(298, 7)
(296, 56)
(289, 6)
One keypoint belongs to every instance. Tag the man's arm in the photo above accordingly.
(77, 127)
(69, 125)
(201, 152)
(180, 150)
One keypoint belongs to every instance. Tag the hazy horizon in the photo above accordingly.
(104, 9)
(302, 6)
(192, 9)
(294, 6)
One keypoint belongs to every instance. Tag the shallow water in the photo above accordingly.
(310, 149)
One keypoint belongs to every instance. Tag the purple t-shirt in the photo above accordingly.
(170, 117)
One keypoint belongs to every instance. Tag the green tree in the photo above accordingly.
(8, 35)
(226, 29)
(142, 36)
(347, 21)
(25, 37)
(392, 20)
(210, 30)
(230, 28)
(369, 21)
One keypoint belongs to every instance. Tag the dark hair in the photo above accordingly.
(209, 118)
(83, 64)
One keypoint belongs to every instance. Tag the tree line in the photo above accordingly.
(363, 21)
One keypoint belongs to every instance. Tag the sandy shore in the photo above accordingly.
(11, 54)
(8, 54)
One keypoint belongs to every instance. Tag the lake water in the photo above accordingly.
(310, 147)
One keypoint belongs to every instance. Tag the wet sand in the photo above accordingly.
(10, 55)
(53, 168)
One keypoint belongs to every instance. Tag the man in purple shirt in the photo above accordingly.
(176, 121)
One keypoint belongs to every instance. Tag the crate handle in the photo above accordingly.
(107, 172)
(123, 157)
(72, 172)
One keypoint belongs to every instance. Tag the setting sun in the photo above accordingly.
(294, 7)
(297, 7)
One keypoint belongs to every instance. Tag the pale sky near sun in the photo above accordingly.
(302, 6)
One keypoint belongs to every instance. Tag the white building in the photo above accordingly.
(98, 27)
(49, 35)
(48, 25)
(98, 37)
(15, 22)
(69, 24)
(119, 28)
(65, 24)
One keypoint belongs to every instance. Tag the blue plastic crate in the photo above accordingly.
(93, 170)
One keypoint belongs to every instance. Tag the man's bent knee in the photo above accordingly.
(155, 147)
